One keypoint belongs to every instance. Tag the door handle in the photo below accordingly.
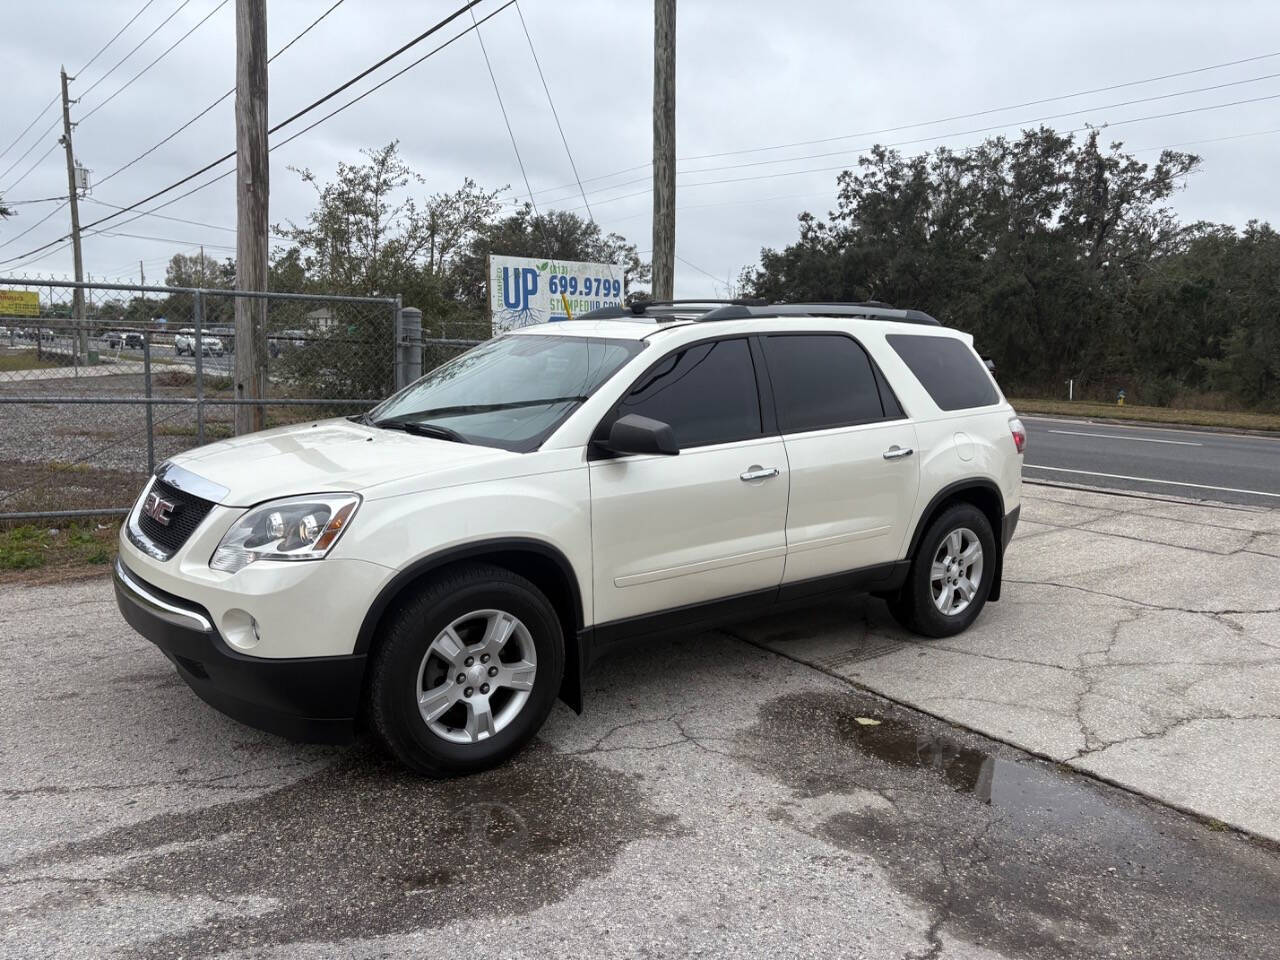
(759, 473)
(897, 453)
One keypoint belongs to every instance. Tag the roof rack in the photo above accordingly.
(868, 310)
(667, 308)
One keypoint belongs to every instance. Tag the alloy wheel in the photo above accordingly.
(476, 676)
(956, 571)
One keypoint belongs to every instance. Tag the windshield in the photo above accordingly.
(511, 392)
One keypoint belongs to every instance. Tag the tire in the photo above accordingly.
(918, 606)
(414, 652)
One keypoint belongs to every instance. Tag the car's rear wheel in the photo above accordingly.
(950, 576)
(468, 667)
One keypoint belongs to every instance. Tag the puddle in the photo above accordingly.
(1016, 855)
(364, 849)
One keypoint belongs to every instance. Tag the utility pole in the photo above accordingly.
(252, 200)
(77, 297)
(664, 149)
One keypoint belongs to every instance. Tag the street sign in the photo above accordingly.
(19, 303)
(525, 290)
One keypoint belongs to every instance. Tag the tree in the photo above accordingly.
(557, 234)
(5, 212)
(1060, 255)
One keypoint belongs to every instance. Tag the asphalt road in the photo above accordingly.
(1227, 467)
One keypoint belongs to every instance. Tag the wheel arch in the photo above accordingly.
(981, 493)
(545, 566)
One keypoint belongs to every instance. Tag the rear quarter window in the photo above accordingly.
(947, 369)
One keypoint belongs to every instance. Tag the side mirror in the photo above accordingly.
(636, 434)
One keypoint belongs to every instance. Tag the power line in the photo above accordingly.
(551, 103)
(169, 49)
(101, 51)
(510, 133)
(384, 82)
(899, 143)
(34, 143)
(121, 61)
(209, 166)
(57, 120)
(43, 111)
(927, 123)
(157, 146)
(36, 224)
(23, 203)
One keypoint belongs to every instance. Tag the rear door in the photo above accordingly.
(851, 450)
(670, 531)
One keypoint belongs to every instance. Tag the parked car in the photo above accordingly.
(184, 341)
(450, 563)
(129, 340)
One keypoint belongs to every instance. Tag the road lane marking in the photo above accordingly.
(1095, 422)
(1170, 483)
(1112, 436)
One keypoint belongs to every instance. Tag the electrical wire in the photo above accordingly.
(157, 146)
(552, 104)
(900, 143)
(506, 120)
(169, 49)
(927, 123)
(122, 60)
(88, 63)
(36, 224)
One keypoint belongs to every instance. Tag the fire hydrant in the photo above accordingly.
(1120, 399)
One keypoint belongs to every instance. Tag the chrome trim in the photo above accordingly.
(179, 616)
(188, 482)
(134, 532)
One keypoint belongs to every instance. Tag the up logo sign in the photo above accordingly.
(519, 288)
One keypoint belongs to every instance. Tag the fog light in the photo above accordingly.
(240, 629)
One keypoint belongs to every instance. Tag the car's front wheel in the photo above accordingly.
(466, 671)
(951, 574)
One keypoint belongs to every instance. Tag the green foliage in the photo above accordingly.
(1061, 257)
(369, 235)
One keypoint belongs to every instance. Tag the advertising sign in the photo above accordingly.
(524, 290)
(19, 303)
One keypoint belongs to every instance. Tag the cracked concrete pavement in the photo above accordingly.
(716, 797)
(1137, 639)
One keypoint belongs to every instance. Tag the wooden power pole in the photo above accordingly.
(252, 205)
(664, 149)
(73, 198)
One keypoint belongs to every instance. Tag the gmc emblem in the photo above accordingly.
(158, 509)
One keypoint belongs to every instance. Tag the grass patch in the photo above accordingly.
(1232, 419)
(26, 360)
(78, 549)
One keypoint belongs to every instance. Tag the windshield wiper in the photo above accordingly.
(489, 407)
(421, 429)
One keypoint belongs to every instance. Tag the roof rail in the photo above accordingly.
(869, 310)
(666, 308)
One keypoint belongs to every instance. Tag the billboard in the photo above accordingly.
(19, 303)
(525, 290)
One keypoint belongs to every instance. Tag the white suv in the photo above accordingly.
(184, 341)
(446, 566)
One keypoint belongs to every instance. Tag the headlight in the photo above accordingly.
(297, 528)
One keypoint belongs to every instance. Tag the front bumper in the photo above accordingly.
(310, 699)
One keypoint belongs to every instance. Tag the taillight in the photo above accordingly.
(1019, 434)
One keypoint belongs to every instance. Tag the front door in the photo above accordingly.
(707, 523)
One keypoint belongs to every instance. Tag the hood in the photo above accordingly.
(328, 455)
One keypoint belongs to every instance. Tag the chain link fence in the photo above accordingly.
(89, 407)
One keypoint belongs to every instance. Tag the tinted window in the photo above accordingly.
(954, 377)
(707, 394)
(821, 381)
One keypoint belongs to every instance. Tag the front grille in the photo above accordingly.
(187, 514)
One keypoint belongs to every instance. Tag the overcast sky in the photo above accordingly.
(750, 74)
